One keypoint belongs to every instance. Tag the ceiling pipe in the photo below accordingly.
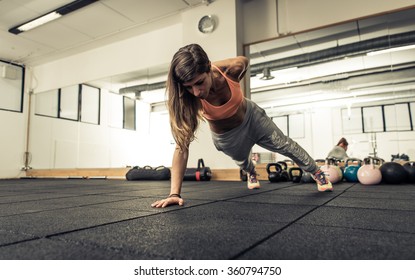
(358, 48)
(140, 88)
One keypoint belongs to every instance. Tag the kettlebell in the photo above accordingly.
(243, 175)
(276, 174)
(284, 171)
(341, 164)
(369, 173)
(307, 178)
(290, 164)
(296, 174)
(351, 168)
(332, 172)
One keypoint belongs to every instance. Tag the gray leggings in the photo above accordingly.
(258, 128)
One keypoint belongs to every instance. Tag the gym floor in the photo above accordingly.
(102, 219)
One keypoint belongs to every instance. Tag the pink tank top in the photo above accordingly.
(213, 113)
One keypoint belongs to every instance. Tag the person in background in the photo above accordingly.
(339, 151)
(198, 89)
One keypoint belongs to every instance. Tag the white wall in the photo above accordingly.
(261, 21)
(58, 143)
(12, 143)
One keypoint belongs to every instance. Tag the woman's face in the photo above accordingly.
(200, 85)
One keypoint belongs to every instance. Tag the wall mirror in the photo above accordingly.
(362, 72)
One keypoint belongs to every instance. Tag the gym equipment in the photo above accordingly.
(307, 178)
(201, 173)
(332, 171)
(320, 162)
(399, 157)
(243, 175)
(284, 170)
(369, 173)
(410, 171)
(276, 175)
(341, 165)
(351, 169)
(148, 173)
(393, 173)
(296, 174)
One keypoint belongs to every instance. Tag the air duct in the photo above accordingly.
(358, 48)
(140, 88)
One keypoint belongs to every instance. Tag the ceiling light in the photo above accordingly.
(266, 74)
(57, 13)
(391, 50)
(39, 21)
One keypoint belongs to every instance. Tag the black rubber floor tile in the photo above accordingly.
(62, 220)
(370, 219)
(86, 200)
(33, 197)
(142, 193)
(203, 232)
(215, 195)
(375, 203)
(144, 204)
(284, 198)
(7, 237)
(379, 194)
(305, 242)
(40, 205)
(403, 188)
(55, 249)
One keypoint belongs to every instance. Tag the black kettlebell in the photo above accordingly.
(274, 176)
(243, 175)
(307, 178)
(295, 173)
(284, 172)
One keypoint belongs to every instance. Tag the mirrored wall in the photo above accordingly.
(354, 80)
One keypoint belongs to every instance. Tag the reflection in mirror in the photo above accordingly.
(355, 79)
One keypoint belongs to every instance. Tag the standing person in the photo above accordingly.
(198, 89)
(339, 151)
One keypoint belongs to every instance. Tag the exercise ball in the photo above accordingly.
(368, 173)
(393, 173)
(410, 171)
(351, 169)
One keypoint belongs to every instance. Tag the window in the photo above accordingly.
(129, 113)
(47, 103)
(282, 123)
(90, 100)
(296, 126)
(372, 119)
(11, 87)
(397, 117)
(69, 103)
(352, 120)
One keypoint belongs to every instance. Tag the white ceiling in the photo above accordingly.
(99, 23)
(107, 21)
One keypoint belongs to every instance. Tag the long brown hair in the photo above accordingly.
(184, 108)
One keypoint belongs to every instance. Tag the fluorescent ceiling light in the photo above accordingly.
(391, 50)
(50, 16)
(39, 21)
